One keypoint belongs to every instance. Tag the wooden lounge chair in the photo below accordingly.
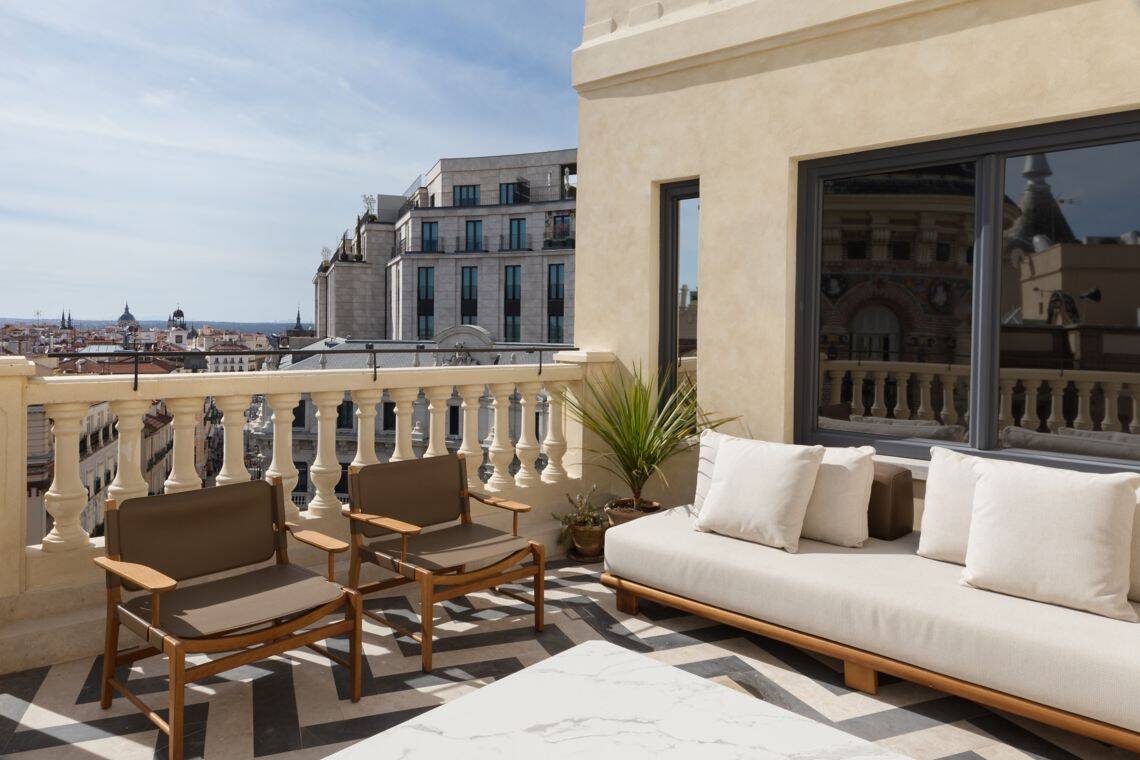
(258, 610)
(457, 558)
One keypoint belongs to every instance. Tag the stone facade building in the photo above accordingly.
(485, 241)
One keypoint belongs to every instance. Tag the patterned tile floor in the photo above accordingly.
(296, 706)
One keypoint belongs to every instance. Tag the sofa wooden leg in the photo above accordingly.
(626, 601)
(860, 677)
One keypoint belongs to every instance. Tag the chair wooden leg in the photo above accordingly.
(355, 604)
(539, 552)
(860, 677)
(177, 658)
(354, 569)
(626, 601)
(427, 588)
(110, 654)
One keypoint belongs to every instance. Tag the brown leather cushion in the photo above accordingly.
(234, 603)
(891, 511)
(457, 545)
(195, 533)
(418, 491)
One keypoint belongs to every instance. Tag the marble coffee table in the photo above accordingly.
(599, 701)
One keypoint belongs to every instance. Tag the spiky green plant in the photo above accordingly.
(641, 424)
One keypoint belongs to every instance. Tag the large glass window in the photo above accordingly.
(512, 304)
(425, 303)
(469, 296)
(680, 225)
(555, 302)
(512, 192)
(344, 414)
(465, 195)
(982, 292)
(474, 238)
(430, 237)
(518, 235)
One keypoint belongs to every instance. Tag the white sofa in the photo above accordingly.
(885, 600)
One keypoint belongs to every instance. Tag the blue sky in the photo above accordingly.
(203, 153)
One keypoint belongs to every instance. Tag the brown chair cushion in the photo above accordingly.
(422, 492)
(195, 533)
(890, 514)
(471, 544)
(234, 603)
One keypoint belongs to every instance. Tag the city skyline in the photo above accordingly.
(152, 155)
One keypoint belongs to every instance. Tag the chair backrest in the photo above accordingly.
(423, 492)
(195, 533)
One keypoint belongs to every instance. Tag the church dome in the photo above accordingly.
(126, 318)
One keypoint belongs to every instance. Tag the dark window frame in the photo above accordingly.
(512, 303)
(465, 195)
(429, 243)
(425, 302)
(672, 194)
(989, 151)
(469, 295)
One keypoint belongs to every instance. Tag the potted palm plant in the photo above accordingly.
(584, 526)
(642, 424)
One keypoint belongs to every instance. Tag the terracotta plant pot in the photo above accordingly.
(624, 510)
(588, 539)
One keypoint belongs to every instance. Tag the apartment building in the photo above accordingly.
(485, 241)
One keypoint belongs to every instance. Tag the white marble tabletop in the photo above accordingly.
(597, 701)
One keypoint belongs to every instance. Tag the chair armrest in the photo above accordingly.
(386, 523)
(140, 575)
(495, 501)
(318, 540)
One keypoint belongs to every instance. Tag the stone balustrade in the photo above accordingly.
(1037, 399)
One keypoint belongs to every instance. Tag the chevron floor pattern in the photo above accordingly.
(296, 706)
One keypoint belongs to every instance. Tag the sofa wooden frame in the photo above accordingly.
(861, 668)
(447, 583)
(282, 636)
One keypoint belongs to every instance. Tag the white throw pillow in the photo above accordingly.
(760, 491)
(1134, 594)
(947, 506)
(710, 441)
(837, 511)
(1053, 535)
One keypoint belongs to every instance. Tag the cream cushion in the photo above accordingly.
(947, 506)
(1053, 535)
(710, 441)
(1134, 592)
(837, 511)
(760, 491)
(885, 599)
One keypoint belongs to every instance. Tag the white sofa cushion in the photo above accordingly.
(706, 459)
(837, 511)
(760, 491)
(885, 599)
(947, 506)
(1053, 535)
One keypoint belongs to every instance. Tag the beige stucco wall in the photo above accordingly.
(812, 79)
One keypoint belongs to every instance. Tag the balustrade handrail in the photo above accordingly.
(1019, 373)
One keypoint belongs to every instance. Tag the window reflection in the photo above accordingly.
(688, 228)
(1070, 303)
(895, 313)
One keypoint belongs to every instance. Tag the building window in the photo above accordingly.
(474, 238)
(453, 428)
(559, 231)
(344, 415)
(679, 254)
(430, 237)
(425, 302)
(388, 416)
(518, 235)
(512, 304)
(302, 477)
(512, 192)
(299, 415)
(1014, 334)
(855, 249)
(469, 296)
(465, 195)
(555, 302)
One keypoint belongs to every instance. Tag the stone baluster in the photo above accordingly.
(184, 475)
(129, 481)
(501, 452)
(554, 446)
(325, 470)
(437, 398)
(67, 496)
(902, 410)
(366, 401)
(404, 399)
(1111, 419)
(949, 411)
(470, 448)
(233, 430)
(857, 378)
(1056, 411)
(836, 376)
(925, 409)
(1005, 402)
(1083, 419)
(282, 465)
(527, 447)
(1030, 419)
(879, 404)
(1134, 421)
